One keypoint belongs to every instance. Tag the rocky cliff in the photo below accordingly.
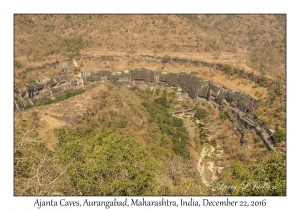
(188, 83)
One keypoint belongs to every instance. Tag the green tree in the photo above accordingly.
(272, 173)
(279, 136)
(201, 114)
(162, 101)
(177, 122)
(107, 164)
(37, 171)
(262, 178)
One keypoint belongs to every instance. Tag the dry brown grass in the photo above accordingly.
(254, 43)
(257, 41)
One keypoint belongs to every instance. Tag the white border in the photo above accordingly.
(8, 201)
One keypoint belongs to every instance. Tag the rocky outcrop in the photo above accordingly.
(183, 82)
(263, 81)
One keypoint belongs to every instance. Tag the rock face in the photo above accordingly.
(183, 82)
(178, 60)
(196, 87)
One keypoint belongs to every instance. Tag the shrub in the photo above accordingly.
(177, 122)
(162, 101)
(67, 94)
(106, 164)
(180, 148)
(227, 69)
(17, 64)
(29, 106)
(270, 172)
(279, 136)
(224, 116)
(201, 114)
(157, 91)
(34, 115)
(174, 130)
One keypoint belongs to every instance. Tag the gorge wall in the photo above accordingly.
(263, 81)
(238, 102)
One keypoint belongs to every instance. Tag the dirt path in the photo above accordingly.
(206, 168)
(48, 123)
(65, 113)
(190, 126)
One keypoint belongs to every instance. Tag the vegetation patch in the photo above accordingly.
(171, 127)
(279, 136)
(224, 116)
(201, 113)
(263, 177)
(106, 164)
(67, 94)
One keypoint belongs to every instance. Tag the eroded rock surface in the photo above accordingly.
(240, 103)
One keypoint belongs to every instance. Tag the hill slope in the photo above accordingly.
(258, 41)
(115, 141)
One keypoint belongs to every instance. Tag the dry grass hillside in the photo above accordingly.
(255, 41)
